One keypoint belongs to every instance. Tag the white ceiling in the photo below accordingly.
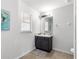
(45, 5)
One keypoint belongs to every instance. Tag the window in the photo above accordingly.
(26, 23)
(46, 26)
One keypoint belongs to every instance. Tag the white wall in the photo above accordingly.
(63, 33)
(13, 42)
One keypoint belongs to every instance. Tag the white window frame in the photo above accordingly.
(25, 22)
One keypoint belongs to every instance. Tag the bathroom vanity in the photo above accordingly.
(43, 43)
(43, 40)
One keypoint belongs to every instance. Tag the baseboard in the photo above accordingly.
(24, 53)
(62, 51)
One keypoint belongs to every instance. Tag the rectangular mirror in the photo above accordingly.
(48, 25)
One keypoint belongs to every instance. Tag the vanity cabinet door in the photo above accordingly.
(49, 44)
(38, 42)
(44, 44)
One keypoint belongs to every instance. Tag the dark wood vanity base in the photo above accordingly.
(43, 43)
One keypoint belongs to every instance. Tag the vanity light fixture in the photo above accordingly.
(45, 14)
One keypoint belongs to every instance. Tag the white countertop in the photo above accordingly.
(43, 35)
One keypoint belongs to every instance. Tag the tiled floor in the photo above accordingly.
(38, 54)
